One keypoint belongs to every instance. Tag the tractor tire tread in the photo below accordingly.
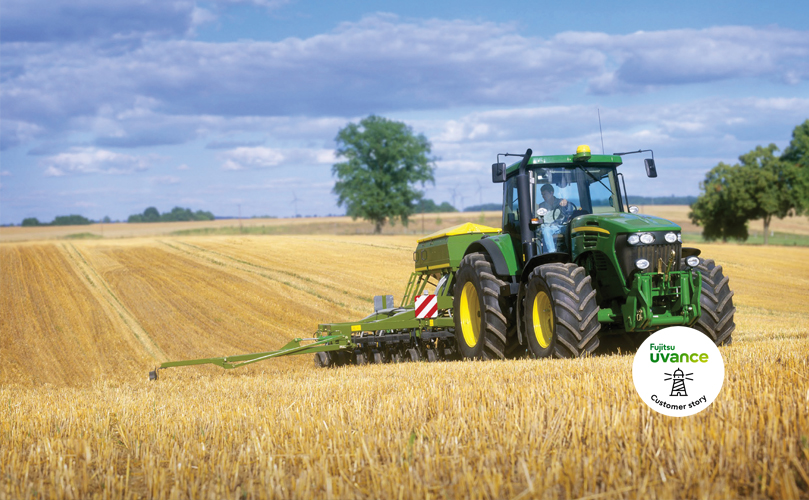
(576, 314)
(494, 327)
(716, 302)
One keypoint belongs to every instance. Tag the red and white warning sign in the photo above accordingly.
(426, 306)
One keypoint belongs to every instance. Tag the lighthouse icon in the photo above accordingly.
(678, 382)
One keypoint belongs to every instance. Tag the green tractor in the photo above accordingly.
(572, 265)
(575, 264)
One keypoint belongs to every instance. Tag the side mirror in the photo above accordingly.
(651, 171)
(498, 172)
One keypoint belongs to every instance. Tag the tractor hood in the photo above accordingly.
(624, 223)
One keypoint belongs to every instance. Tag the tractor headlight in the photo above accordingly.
(633, 239)
(647, 238)
(679, 238)
(642, 264)
(671, 237)
(692, 261)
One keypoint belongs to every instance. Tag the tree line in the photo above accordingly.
(177, 214)
(59, 220)
(762, 185)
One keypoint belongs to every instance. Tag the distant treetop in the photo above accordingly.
(59, 220)
(151, 214)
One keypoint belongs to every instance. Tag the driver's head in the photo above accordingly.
(547, 192)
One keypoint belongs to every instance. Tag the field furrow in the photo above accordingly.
(347, 265)
(54, 326)
(103, 291)
(318, 290)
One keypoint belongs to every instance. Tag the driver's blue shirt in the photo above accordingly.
(553, 228)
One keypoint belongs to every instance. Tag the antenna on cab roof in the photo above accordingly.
(599, 130)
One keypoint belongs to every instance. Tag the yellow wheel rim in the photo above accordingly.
(470, 314)
(543, 319)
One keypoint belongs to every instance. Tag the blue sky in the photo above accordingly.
(109, 107)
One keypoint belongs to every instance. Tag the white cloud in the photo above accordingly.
(92, 160)
(255, 157)
(164, 179)
(243, 158)
(170, 91)
(72, 20)
(674, 57)
(15, 132)
(183, 167)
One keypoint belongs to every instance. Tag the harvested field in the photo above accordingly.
(83, 321)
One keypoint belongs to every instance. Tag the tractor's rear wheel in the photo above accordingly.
(480, 325)
(716, 302)
(561, 313)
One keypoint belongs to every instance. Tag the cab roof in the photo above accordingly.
(568, 161)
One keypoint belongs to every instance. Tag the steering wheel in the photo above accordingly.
(549, 216)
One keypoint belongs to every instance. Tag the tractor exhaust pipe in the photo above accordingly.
(524, 195)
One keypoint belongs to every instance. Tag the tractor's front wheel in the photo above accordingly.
(561, 313)
(480, 325)
(716, 303)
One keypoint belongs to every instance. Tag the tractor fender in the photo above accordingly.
(545, 258)
(688, 252)
(494, 252)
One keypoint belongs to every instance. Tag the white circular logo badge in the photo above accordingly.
(678, 371)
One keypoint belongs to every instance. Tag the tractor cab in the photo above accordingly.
(560, 188)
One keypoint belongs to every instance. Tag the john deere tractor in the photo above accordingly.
(573, 264)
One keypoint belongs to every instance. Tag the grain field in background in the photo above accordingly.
(83, 321)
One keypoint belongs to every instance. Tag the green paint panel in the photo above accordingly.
(567, 161)
(506, 246)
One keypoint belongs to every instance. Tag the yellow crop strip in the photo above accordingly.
(78, 418)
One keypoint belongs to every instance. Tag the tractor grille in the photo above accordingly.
(627, 254)
(654, 252)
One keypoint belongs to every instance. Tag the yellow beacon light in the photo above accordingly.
(582, 153)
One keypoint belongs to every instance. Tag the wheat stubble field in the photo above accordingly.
(83, 321)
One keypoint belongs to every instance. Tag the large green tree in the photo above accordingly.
(762, 185)
(797, 156)
(384, 162)
(715, 208)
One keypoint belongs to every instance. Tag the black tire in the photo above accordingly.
(340, 358)
(412, 355)
(432, 357)
(562, 298)
(480, 325)
(361, 357)
(322, 360)
(716, 302)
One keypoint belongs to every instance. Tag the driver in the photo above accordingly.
(556, 212)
